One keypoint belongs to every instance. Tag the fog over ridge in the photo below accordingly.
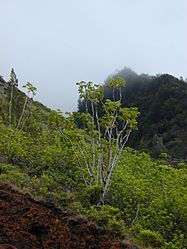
(55, 44)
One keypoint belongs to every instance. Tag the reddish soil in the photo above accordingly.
(26, 223)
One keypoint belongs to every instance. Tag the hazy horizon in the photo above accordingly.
(54, 44)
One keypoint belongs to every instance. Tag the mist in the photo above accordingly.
(55, 44)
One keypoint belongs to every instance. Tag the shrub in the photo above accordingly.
(13, 175)
(109, 217)
(150, 238)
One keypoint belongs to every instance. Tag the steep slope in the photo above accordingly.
(162, 101)
(35, 111)
(27, 223)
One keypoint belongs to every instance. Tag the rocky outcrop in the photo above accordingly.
(31, 224)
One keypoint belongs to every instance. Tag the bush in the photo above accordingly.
(178, 242)
(150, 238)
(12, 175)
(109, 217)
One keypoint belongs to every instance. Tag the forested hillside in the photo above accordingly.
(81, 161)
(162, 102)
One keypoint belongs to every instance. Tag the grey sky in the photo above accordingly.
(56, 43)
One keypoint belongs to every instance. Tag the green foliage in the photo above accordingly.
(13, 175)
(150, 238)
(162, 101)
(36, 155)
(116, 82)
(105, 139)
(109, 217)
(163, 155)
(178, 242)
(30, 90)
(56, 119)
(181, 165)
(90, 195)
(151, 194)
(146, 199)
(18, 109)
(14, 144)
(44, 187)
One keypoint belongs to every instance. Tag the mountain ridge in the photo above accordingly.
(162, 102)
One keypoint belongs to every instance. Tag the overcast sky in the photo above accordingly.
(56, 43)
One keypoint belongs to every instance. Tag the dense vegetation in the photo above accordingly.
(162, 102)
(146, 201)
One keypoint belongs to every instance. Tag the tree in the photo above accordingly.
(101, 141)
(30, 90)
(12, 82)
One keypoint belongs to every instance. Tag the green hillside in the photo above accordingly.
(89, 167)
(162, 102)
(35, 112)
